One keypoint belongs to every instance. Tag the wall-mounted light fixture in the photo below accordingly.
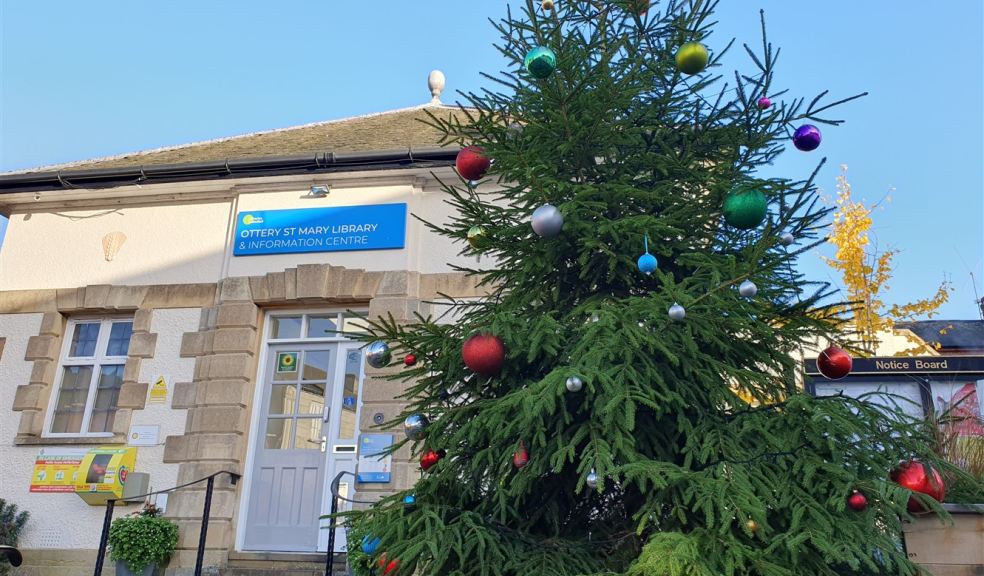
(317, 192)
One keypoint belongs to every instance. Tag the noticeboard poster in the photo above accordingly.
(57, 469)
(373, 466)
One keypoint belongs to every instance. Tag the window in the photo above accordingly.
(91, 376)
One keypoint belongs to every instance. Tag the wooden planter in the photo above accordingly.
(949, 550)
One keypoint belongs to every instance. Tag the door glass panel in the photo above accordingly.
(282, 398)
(278, 433)
(352, 323)
(316, 365)
(107, 394)
(71, 400)
(308, 434)
(350, 396)
(285, 327)
(84, 340)
(312, 400)
(119, 339)
(322, 326)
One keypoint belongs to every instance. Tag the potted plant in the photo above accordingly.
(11, 523)
(142, 542)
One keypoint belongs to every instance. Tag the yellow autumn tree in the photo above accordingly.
(865, 272)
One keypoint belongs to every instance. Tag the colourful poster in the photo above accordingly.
(286, 362)
(57, 469)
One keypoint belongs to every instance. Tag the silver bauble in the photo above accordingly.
(574, 384)
(414, 426)
(378, 354)
(547, 221)
(748, 289)
(787, 239)
(677, 312)
(592, 480)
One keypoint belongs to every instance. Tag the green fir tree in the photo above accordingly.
(709, 461)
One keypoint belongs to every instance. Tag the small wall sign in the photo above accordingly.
(286, 362)
(158, 391)
(373, 467)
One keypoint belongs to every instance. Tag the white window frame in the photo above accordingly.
(96, 361)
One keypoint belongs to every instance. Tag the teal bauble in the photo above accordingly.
(540, 62)
(745, 209)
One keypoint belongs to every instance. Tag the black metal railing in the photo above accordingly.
(335, 497)
(206, 509)
(12, 555)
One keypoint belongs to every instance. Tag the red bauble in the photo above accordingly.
(857, 501)
(521, 457)
(834, 363)
(430, 457)
(471, 164)
(409, 359)
(385, 566)
(919, 477)
(484, 354)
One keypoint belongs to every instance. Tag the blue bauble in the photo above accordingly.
(370, 544)
(410, 501)
(540, 62)
(647, 263)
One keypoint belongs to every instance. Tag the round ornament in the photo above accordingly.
(647, 262)
(592, 480)
(429, 458)
(547, 5)
(409, 502)
(410, 360)
(370, 544)
(484, 354)
(378, 354)
(764, 103)
(745, 209)
(478, 237)
(521, 457)
(547, 221)
(692, 58)
(574, 383)
(388, 567)
(415, 426)
(921, 478)
(471, 163)
(748, 289)
(834, 363)
(677, 312)
(752, 526)
(540, 62)
(787, 239)
(857, 501)
(807, 137)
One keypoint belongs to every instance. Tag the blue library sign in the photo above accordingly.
(376, 227)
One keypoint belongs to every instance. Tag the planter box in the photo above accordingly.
(949, 550)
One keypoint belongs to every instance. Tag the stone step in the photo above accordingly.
(276, 564)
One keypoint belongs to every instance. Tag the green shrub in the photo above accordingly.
(143, 539)
(11, 524)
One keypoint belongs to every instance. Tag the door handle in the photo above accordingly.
(324, 444)
(326, 414)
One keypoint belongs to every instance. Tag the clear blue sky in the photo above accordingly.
(88, 79)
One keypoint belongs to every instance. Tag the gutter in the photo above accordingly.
(320, 163)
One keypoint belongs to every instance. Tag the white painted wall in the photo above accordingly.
(64, 521)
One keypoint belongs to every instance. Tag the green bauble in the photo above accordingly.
(540, 62)
(745, 209)
(691, 58)
(478, 237)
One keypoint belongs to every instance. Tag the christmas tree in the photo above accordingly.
(625, 400)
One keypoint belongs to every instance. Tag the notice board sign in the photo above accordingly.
(57, 469)
(373, 467)
(376, 227)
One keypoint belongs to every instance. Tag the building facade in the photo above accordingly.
(161, 302)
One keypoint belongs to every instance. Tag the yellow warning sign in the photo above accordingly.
(158, 392)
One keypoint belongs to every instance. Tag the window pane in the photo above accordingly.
(282, 399)
(352, 323)
(321, 326)
(350, 395)
(312, 400)
(285, 327)
(278, 434)
(84, 340)
(119, 339)
(308, 434)
(71, 400)
(316, 365)
(107, 395)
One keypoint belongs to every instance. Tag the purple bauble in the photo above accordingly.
(807, 137)
(764, 103)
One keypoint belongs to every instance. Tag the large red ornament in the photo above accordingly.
(409, 360)
(471, 164)
(387, 567)
(857, 501)
(921, 478)
(521, 457)
(834, 363)
(430, 457)
(484, 354)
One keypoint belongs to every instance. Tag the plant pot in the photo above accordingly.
(123, 570)
(945, 549)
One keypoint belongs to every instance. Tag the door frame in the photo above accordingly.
(242, 508)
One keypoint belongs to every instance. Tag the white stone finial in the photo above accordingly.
(435, 81)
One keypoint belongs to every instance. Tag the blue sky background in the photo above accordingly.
(88, 79)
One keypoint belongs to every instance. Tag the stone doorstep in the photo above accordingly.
(271, 563)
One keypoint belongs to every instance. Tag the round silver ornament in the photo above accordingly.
(787, 239)
(378, 354)
(677, 312)
(547, 221)
(415, 425)
(592, 480)
(574, 384)
(748, 289)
